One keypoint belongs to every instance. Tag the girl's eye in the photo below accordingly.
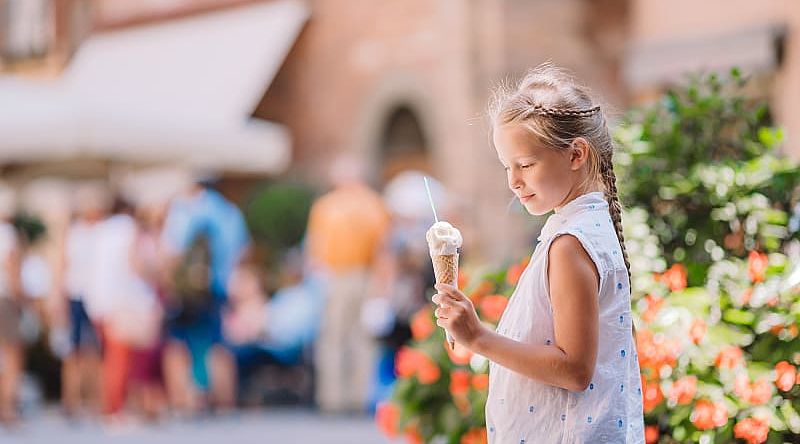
(526, 166)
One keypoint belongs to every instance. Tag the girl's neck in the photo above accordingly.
(575, 193)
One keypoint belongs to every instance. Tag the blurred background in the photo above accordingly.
(212, 211)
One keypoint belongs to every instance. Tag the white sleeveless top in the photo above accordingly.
(521, 410)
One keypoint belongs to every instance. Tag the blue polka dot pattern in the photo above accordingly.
(622, 353)
(621, 388)
(589, 420)
(619, 423)
(619, 285)
(548, 342)
(621, 319)
(563, 417)
(530, 409)
(591, 386)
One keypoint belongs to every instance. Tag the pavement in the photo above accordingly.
(266, 426)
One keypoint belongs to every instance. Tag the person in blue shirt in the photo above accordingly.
(204, 216)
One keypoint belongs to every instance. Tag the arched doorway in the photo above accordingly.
(403, 144)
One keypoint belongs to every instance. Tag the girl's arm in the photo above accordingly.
(570, 362)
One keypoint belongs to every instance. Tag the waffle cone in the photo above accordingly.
(445, 268)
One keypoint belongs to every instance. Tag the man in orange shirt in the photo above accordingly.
(345, 231)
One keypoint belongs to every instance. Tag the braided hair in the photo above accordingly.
(557, 110)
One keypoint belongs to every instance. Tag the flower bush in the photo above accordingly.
(713, 246)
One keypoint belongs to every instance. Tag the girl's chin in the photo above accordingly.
(535, 210)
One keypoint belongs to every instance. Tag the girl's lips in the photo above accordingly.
(524, 199)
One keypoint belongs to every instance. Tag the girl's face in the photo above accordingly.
(542, 178)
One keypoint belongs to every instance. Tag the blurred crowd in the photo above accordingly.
(159, 309)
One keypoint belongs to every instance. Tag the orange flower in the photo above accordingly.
(460, 355)
(760, 392)
(387, 416)
(459, 382)
(463, 279)
(475, 435)
(480, 381)
(707, 415)
(683, 390)
(406, 362)
(462, 404)
(654, 304)
(651, 434)
(753, 430)
(785, 376)
(730, 357)
(674, 277)
(757, 266)
(654, 352)
(493, 306)
(515, 271)
(413, 436)
(422, 324)
(652, 396)
(427, 372)
(697, 331)
(746, 295)
(741, 386)
(484, 288)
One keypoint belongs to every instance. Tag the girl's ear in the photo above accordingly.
(579, 153)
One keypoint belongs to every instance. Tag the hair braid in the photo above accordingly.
(614, 207)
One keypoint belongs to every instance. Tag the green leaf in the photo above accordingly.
(740, 317)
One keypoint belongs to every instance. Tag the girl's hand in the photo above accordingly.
(457, 315)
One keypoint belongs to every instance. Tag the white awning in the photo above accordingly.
(179, 91)
(656, 63)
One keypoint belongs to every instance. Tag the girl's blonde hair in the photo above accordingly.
(557, 110)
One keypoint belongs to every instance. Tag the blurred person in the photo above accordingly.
(115, 301)
(274, 331)
(206, 233)
(146, 384)
(80, 372)
(345, 230)
(11, 299)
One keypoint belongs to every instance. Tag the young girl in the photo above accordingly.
(563, 359)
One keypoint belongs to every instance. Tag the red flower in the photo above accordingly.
(757, 266)
(651, 434)
(480, 381)
(387, 416)
(707, 415)
(459, 382)
(460, 355)
(674, 277)
(753, 430)
(515, 271)
(493, 306)
(652, 396)
(654, 304)
(697, 331)
(785, 376)
(475, 435)
(422, 324)
(730, 357)
(683, 390)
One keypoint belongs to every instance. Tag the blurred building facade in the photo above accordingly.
(404, 83)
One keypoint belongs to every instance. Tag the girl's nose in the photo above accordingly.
(514, 181)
